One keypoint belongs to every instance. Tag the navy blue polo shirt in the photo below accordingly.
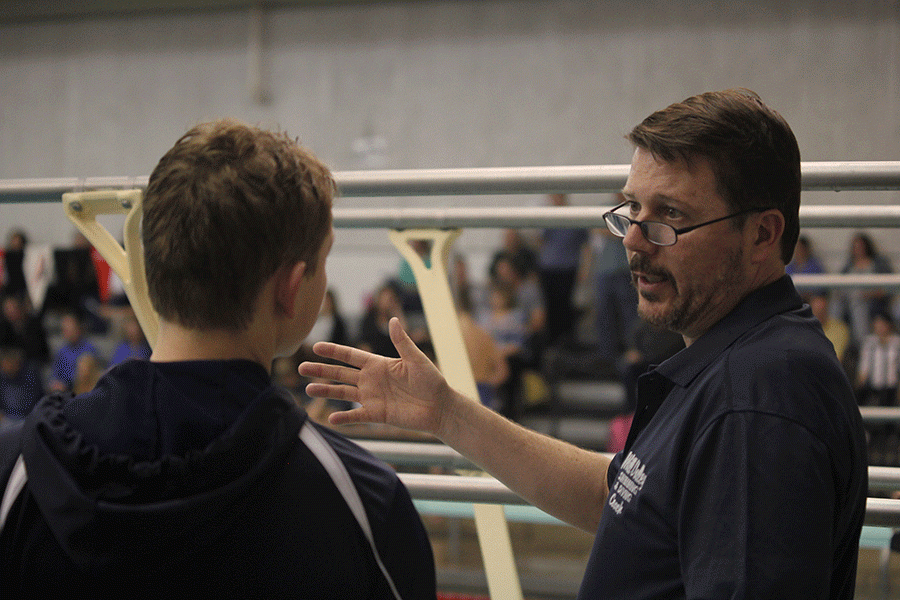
(744, 474)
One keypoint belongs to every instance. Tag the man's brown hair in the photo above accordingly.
(752, 150)
(225, 208)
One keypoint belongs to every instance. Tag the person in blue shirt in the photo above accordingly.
(192, 475)
(857, 306)
(76, 343)
(804, 261)
(561, 252)
(744, 472)
(134, 343)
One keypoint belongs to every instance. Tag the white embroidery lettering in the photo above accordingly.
(615, 505)
(629, 482)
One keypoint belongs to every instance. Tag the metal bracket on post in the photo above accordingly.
(82, 208)
(453, 359)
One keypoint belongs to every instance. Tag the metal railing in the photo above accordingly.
(816, 176)
(880, 512)
(457, 488)
(880, 414)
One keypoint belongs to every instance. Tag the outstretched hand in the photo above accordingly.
(407, 392)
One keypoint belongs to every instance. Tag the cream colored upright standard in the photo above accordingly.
(453, 360)
(82, 208)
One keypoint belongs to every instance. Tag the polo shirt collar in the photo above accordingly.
(778, 297)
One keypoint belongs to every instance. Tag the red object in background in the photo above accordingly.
(452, 596)
(103, 270)
(618, 432)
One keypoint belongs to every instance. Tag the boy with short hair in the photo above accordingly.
(191, 474)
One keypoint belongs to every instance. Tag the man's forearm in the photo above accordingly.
(559, 478)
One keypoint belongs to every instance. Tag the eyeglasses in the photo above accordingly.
(661, 234)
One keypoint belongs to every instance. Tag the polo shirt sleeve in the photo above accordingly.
(756, 515)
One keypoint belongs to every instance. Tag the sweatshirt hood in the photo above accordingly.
(158, 455)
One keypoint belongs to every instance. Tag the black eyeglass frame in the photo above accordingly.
(643, 224)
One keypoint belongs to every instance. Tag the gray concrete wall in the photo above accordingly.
(443, 84)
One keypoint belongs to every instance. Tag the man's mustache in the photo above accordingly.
(642, 265)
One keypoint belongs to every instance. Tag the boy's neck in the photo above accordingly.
(177, 343)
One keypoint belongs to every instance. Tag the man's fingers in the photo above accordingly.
(345, 417)
(345, 354)
(340, 373)
(333, 391)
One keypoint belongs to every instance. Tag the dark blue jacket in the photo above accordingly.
(189, 480)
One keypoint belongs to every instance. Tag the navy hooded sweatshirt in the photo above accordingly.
(188, 479)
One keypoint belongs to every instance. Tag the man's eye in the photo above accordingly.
(672, 213)
(634, 208)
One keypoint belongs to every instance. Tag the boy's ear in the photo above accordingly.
(287, 287)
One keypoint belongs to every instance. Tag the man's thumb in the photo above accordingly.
(401, 340)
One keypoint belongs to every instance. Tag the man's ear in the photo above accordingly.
(287, 287)
(768, 231)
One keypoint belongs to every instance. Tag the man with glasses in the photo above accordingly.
(744, 473)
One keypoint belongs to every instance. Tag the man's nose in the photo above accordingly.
(636, 241)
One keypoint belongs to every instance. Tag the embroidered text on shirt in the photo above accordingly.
(629, 482)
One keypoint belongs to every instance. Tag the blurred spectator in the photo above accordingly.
(877, 382)
(615, 301)
(489, 366)
(460, 284)
(505, 320)
(858, 305)
(835, 330)
(517, 249)
(134, 343)
(330, 326)
(506, 323)
(88, 369)
(75, 287)
(20, 383)
(373, 330)
(27, 269)
(65, 364)
(14, 283)
(805, 260)
(20, 327)
(559, 257)
(879, 363)
(528, 298)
